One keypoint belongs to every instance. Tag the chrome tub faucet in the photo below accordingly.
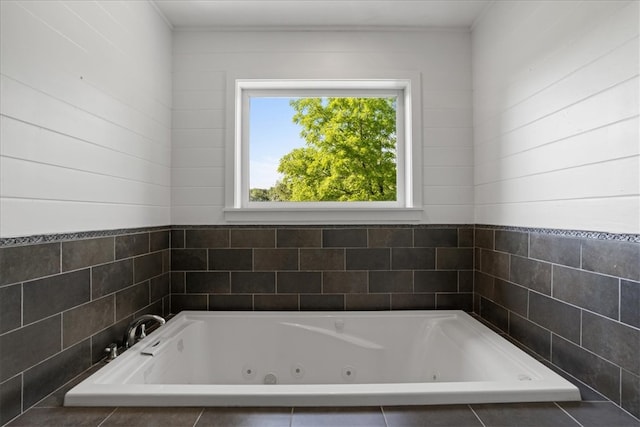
(130, 337)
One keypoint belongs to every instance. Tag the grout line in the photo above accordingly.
(62, 333)
(568, 414)
(108, 416)
(384, 416)
(581, 267)
(553, 268)
(551, 333)
(435, 259)
(573, 305)
(581, 316)
(21, 306)
(199, 416)
(620, 382)
(567, 339)
(477, 416)
(22, 409)
(620, 300)
(91, 284)
(60, 271)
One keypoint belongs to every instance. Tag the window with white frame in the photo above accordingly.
(323, 147)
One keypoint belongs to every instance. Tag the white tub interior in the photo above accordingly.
(313, 358)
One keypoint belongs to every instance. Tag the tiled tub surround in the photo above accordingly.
(511, 265)
(573, 300)
(62, 302)
(322, 268)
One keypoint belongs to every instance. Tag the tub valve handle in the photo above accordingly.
(112, 351)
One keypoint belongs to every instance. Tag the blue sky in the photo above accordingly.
(272, 134)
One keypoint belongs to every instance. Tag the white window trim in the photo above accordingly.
(408, 207)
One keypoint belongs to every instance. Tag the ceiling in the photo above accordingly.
(264, 14)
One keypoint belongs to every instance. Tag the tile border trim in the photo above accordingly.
(580, 234)
(61, 237)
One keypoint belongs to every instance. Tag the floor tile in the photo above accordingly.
(436, 416)
(153, 417)
(599, 414)
(245, 417)
(523, 415)
(62, 417)
(338, 417)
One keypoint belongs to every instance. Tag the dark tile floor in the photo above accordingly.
(586, 414)
(595, 412)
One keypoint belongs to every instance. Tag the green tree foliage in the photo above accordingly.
(277, 193)
(259, 195)
(350, 152)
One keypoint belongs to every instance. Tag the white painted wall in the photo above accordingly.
(202, 60)
(555, 106)
(85, 116)
(89, 139)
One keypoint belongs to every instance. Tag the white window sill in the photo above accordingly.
(322, 216)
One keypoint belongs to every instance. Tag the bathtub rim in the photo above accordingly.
(93, 392)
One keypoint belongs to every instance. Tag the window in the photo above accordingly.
(332, 149)
(322, 149)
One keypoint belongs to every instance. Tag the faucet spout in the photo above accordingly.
(130, 337)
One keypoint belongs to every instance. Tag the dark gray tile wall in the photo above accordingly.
(322, 268)
(62, 303)
(575, 301)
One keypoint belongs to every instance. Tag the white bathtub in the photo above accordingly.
(321, 359)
